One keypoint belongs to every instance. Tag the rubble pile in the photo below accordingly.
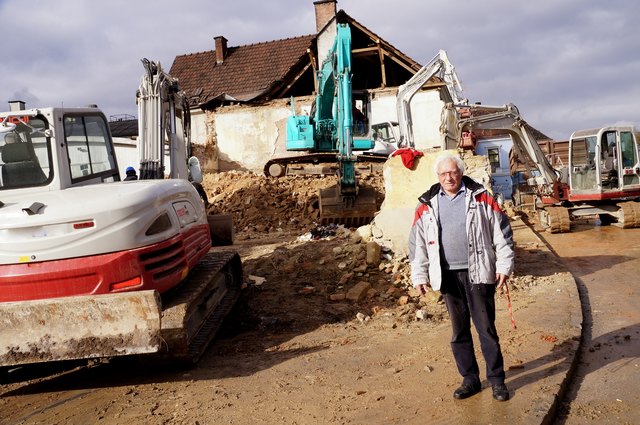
(338, 277)
(261, 204)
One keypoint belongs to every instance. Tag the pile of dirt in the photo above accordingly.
(261, 204)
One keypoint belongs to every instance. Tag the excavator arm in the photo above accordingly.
(440, 67)
(164, 127)
(546, 179)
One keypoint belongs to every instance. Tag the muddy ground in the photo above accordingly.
(319, 335)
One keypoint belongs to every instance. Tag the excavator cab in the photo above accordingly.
(604, 170)
(604, 162)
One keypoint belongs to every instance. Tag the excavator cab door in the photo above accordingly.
(584, 164)
(629, 160)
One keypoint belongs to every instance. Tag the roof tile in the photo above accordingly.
(244, 74)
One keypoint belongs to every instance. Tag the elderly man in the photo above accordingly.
(461, 243)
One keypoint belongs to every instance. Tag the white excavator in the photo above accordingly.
(602, 177)
(91, 266)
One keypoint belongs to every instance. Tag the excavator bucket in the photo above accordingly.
(350, 212)
(79, 327)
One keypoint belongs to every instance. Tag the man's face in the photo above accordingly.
(449, 176)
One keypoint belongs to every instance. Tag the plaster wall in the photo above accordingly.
(245, 137)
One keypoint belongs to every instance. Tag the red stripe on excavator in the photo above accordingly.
(602, 196)
(160, 266)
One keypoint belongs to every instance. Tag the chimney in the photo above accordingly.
(221, 49)
(16, 105)
(325, 11)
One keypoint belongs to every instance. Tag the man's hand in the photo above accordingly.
(501, 280)
(423, 288)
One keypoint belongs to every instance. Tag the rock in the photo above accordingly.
(345, 278)
(373, 253)
(403, 300)
(362, 317)
(422, 314)
(359, 291)
(341, 296)
(360, 269)
(257, 280)
(433, 297)
(363, 233)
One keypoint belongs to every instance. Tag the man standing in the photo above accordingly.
(461, 243)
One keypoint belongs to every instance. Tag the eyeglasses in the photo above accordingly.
(450, 173)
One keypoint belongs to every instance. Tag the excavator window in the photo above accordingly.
(627, 149)
(629, 157)
(25, 155)
(583, 167)
(89, 147)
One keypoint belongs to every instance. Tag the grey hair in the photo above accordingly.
(447, 156)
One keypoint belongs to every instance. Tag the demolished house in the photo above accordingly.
(241, 96)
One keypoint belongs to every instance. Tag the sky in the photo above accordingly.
(566, 64)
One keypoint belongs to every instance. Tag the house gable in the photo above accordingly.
(259, 72)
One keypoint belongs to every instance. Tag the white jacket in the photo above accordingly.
(488, 229)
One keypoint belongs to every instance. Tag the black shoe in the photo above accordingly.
(500, 392)
(466, 390)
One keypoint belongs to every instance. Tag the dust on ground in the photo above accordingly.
(323, 319)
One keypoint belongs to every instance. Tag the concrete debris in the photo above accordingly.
(422, 314)
(257, 280)
(362, 317)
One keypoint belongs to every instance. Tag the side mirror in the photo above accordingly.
(194, 170)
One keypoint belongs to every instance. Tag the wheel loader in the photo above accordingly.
(91, 266)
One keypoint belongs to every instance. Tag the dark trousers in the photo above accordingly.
(467, 301)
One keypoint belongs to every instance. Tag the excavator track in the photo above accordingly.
(193, 312)
(320, 164)
(555, 219)
(629, 214)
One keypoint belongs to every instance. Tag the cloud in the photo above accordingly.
(566, 65)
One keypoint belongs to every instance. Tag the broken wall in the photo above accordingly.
(245, 137)
(404, 186)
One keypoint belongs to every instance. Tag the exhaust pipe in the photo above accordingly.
(16, 105)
